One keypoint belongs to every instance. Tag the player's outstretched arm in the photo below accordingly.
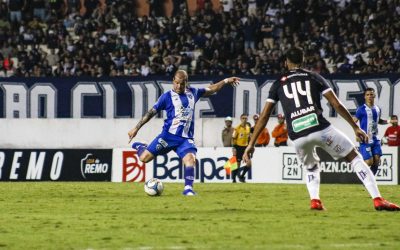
(214, 88)
(343, 112)
(147, 117)
(258, 128)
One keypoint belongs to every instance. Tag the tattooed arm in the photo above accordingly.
(147, 117)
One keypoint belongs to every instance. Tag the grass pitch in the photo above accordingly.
(223, 216)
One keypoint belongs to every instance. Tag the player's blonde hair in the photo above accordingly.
(181, 74)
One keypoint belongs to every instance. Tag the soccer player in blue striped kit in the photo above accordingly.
(178, 129)
(369, 116)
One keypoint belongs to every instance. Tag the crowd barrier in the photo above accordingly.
(270, 165)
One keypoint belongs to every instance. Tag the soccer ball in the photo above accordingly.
(153, 187)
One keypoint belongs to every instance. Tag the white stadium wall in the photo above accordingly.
(113, 133)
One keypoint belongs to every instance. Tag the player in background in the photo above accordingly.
(227, 132)
(369, 116)
(392, 133)
(280, 132)
(264, 138)
(178, 129)
(300, 91)
(241, 137)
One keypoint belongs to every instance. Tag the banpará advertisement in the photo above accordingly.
(270, 165)
(132, 97)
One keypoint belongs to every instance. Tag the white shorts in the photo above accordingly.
(332, 140)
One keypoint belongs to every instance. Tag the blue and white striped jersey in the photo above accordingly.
(369, 118)
(180, 111)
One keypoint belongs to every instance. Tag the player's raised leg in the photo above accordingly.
(160, 145)
(142, 150)
(139, 147)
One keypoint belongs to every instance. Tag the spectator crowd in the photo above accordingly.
(244, 37)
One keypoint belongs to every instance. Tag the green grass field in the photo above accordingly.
(223, 216)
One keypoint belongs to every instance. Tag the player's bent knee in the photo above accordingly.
(146, 157)
(143, 158)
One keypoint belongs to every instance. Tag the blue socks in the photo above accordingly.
(189, 179)
(140, 147)
(189, 176)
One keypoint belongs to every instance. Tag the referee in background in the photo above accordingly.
(241, 138)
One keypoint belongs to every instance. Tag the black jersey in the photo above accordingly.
(300, 92)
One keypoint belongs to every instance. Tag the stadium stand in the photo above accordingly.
(244, 37)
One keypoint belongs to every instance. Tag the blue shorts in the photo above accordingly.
(166, 142)
(370, 149)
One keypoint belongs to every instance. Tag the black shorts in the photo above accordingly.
(239, 152)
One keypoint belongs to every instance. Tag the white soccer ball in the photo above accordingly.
(153, 187)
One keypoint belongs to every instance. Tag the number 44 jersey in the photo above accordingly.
(300, 93)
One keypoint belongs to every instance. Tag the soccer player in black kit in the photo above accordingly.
(300, 92)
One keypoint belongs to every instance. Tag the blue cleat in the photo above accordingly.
(189, 192)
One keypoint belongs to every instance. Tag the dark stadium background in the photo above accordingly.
(244, 37)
